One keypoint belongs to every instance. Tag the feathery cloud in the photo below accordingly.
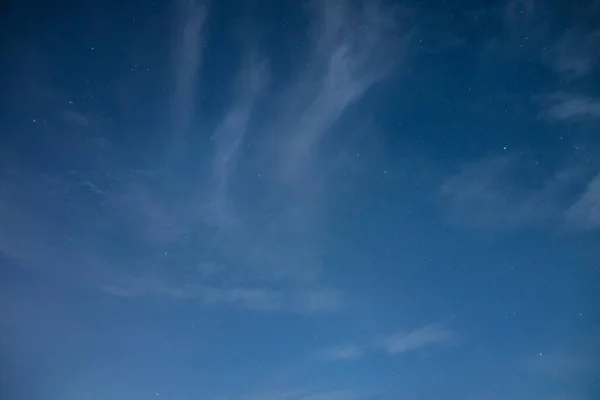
(585, 212)
(393, 344)
(567, 107)
(190, 19)
(574, 54)
(344, 352)
(430, 335)
(301, 300)
(483, 195)
(244, 214)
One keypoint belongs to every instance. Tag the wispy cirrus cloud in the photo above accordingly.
(574, 54)
(490, 195)
(427, 336)
(353, 48)
(187, 61)
(245, 215)
(344, 394)
(309, 394)
(484, 195)
(276, 238)
(308, 301)
(343, 352)
(569, 356)
(229, 136)
(569, 107)
(585, 212)
(400, 342)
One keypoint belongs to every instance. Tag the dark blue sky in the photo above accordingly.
(300, 200)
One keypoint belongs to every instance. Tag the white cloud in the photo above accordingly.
(344, 352)
(430, 335)
(569, 356)
(487, 195)
(231, 132)
(336, 395)
(563, 107)
(483, 195)
(260, 241)
(353, 48)
(575, 53)
(396, 343)
(585, 212)
(75, 118)
(187, 60)
(312, 394)
(300, 300)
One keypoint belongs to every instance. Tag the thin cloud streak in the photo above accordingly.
(482, 195)
(310, 394)
(261, 240)
(352, 50)
(393, 344)
(430, 335)
(568, 107)
(486, 196)
(584, 214)
(305, 301)
(230, 134)
(574, 54)
(187, 60)
(345, 352)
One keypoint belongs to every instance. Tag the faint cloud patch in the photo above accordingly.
(427, 336)
(432, 335)
(274, 240)
(76, 118)
(187, 60)
(299, 300)
(575, 54)
(241, 206)
(504, 193)
(353, 48)
(571, 357)
(484, 195)
(568, 107)
(585, 212)
(345, 352)
(313, 394)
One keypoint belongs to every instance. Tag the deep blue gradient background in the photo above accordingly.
(282, 200)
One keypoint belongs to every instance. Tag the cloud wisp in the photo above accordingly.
(486, 196)
(570, 107)
(432, 335)
(352, 50)
(305, 301)
(574, 54)
(275, 239)
(427, 336)
(309, 394)
(343, 352)
(244, 213)
(482, 195)
(585, 212)
(187, 61)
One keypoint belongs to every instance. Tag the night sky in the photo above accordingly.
(300, 200)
